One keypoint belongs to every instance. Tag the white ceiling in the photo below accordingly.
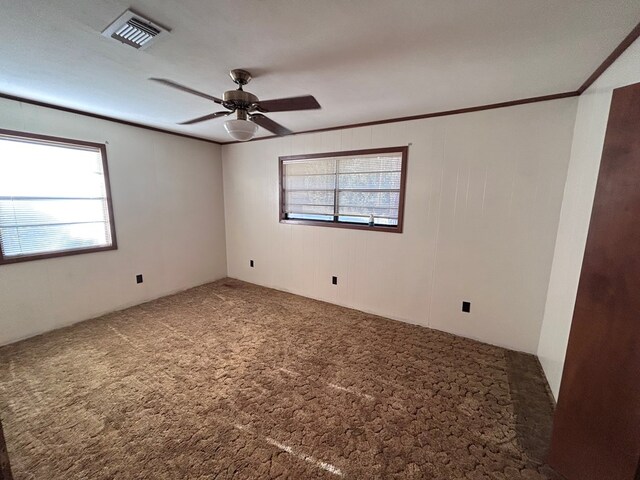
(363, 60)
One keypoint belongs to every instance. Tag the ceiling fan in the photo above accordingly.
(248, 108)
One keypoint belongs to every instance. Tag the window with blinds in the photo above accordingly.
(357, 189)
(54, 198)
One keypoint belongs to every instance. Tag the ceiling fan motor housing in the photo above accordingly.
(239, 98)
(239, 101)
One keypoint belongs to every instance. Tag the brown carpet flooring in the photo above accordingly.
(232, 380)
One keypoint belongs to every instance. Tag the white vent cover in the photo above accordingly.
(134, 30)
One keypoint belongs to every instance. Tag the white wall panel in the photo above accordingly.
(169, 216)
(588, 140)
(483, 198)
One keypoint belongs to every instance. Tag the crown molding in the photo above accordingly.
(101, 117)
(444, 113)
(626, 42)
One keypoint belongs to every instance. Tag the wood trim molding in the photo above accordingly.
(102, 117)
(105, 169)
(444, 113)
(626, 43)
(38, 138)
(403, 150)
(78, 251)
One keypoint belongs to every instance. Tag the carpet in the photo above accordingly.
(5, 468)
(232, 380)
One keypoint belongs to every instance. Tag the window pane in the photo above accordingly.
(344, 188)
(319, 209)
(32, 240)
(367, 211)
(365, 220)
(370, 163)
(28, 211)
(387, 221)
(378, 181)
(310, 201)
(303, 216)
(31, 169)
(310, 182)
(366, 200)
(52, 197)
(351, 219)
(306, 167)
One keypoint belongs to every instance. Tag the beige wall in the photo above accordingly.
(588, 139)
(168, 204)
(483, 200)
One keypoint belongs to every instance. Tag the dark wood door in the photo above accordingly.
(596, 432)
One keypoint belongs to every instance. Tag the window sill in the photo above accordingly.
(66, 253)
(352, 226)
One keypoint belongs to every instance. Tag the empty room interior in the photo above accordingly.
(339, 239)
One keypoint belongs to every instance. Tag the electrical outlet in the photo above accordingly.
(139, 278)
(334, 280)
(251, 263)
(466, 307)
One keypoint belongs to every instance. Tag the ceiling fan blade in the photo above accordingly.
(172, 84)
(270, 125)
(205, 118)
(305, 102)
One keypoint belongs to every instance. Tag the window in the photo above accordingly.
(361, 189)
(54, 198)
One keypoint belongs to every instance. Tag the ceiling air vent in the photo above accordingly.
(134, 30)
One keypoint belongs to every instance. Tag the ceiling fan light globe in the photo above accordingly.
(241, 130)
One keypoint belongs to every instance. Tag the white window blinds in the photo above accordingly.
(355, 189)
(53, 198)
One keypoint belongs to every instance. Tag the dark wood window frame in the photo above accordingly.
(105, 169)
(403, 150)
